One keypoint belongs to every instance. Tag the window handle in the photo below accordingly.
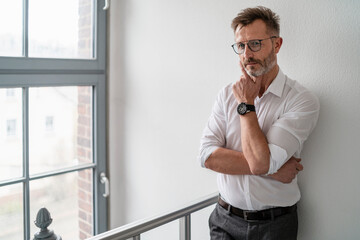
(105, 180)
(107, 5)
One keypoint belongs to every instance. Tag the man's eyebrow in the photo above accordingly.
(256, 39)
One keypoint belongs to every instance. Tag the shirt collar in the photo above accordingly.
(277, 85)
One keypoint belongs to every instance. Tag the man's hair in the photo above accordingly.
(249, 15)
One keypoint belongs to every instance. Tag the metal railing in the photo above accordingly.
(135, 229)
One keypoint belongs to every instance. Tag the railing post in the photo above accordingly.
(43, 220)
(185, 228)
(136, 237)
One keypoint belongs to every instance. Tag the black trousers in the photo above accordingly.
(227, 226)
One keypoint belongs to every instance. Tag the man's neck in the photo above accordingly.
(267, 79)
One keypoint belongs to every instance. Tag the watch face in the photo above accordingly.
(242, 108)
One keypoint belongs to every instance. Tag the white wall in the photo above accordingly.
(167, 61)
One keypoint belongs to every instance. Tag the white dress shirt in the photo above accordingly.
(287, 113)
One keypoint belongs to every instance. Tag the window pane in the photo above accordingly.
(51, 35)
(11, 28)
(170, 230)
(60, 127)
(10, 133)
(11, 212)
(199, 223)
(68, 198)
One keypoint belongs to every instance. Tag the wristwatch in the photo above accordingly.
(244, 108)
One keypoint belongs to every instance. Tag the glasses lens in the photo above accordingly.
(254, 45)
(239, 47)
(235, 47)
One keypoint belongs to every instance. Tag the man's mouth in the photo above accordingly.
(251, 62)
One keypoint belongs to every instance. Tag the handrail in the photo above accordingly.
(135, 229)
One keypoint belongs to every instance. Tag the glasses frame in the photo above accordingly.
(247, 43)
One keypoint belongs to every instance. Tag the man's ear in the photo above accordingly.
(278, 43)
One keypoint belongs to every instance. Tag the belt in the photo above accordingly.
(266, 214)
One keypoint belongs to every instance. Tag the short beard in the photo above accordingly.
(266, 65)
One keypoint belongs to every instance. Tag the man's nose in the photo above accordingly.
(247, 52)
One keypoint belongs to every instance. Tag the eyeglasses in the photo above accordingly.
(253, 45)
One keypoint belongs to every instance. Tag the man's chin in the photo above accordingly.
(254, 73)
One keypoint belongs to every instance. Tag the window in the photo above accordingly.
(10, 92)
(11, 127)
(49, 123)
(58, 36)
(11, 34)
(52, 100)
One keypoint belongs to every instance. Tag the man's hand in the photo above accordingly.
(247, 88)
(288, 171)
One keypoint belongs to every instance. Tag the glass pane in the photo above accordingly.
(11, 212)
(200, 223)
(163, 232)
(68, 198)
(61, 28)
(60, 127)
(10, 133)
(11, 28)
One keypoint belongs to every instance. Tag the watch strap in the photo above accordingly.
(250, 108)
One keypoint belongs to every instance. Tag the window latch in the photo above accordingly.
(105, 180)
(107, 5)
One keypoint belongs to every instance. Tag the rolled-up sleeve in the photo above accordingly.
(213, 135)
(288, 133)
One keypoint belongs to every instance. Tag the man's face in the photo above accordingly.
(260, 62)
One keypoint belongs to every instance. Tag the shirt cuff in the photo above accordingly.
(278, 156)
(206, 154)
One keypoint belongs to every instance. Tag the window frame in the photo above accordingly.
(24, 72)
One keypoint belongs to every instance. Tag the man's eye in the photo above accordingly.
(254, 43)
(241, 46)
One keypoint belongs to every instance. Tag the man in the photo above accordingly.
(254, 137)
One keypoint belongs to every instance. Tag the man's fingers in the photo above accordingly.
(296, 159)
(243, 70)
(245, 74)
(299, 167)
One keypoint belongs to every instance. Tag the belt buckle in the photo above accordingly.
(245, 214)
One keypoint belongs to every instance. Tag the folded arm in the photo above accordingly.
(232, 162)
(228, 161)
(283, 141)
